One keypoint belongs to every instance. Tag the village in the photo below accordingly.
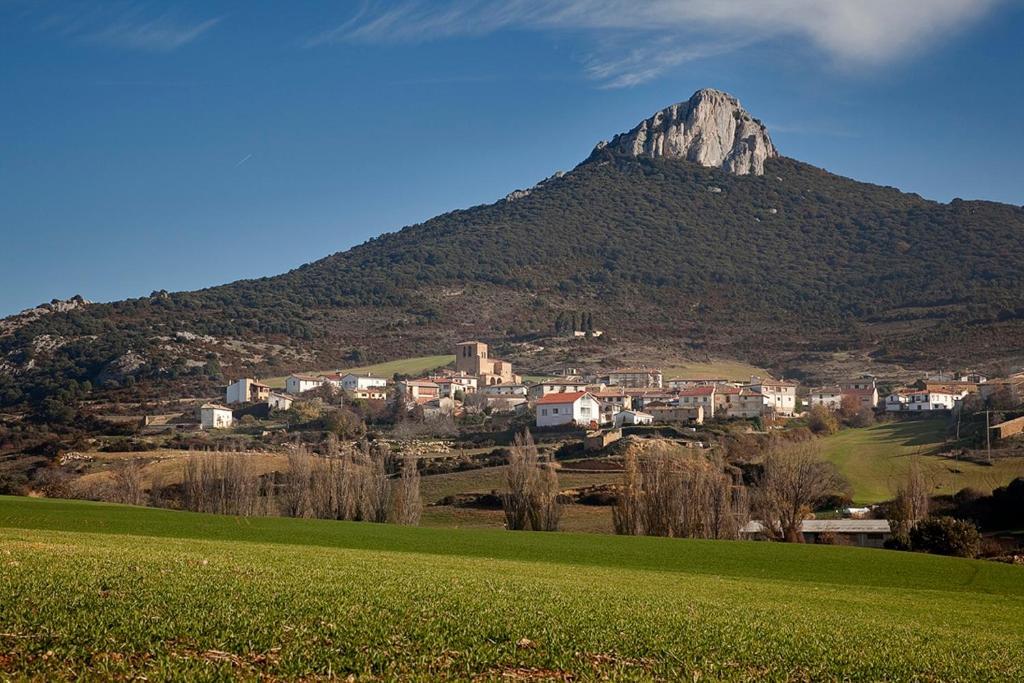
(621, 397)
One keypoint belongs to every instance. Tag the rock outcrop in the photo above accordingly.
(710, 129)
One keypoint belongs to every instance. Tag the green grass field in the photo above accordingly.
(406, 366)
(589, 518)
(875, 460)
(100, 591)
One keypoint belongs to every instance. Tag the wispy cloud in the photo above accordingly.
(852, 33)
(161, 34)
(122, 25)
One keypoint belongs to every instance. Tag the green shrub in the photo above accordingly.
(945, 536)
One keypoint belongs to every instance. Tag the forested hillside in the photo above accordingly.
(656, 248)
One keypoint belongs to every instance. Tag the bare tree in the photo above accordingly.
(376, 489)
(911, 503)
(296, 494)
(408, 503)
(128, 484)
(626, 513)
(222, 484)
(795, 481)
(519, 480)
(545, 511)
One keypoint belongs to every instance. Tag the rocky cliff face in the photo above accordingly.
(710, 129)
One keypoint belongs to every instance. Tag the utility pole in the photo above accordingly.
(988, 437)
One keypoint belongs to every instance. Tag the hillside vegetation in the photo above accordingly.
(93, 590)
(750, 267)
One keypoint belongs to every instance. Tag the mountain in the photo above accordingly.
(688, 233)
(710, 129)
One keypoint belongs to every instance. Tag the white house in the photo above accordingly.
(830, 397)
(370, 394)
(635, 377)
(578, 408)
(687, 382)
(278, 401)
(556, 386)
(863, 392)
(297, 384)
(779, 395)
(704, 396)
(450, 385)
(331, 378)
(212, 416)
(632, 417)
(246, 391)
(505, 390)
(418, 390)
(352, 381)
(917, 401)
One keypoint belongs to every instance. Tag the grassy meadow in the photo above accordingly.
(90, 590)
(875, 460)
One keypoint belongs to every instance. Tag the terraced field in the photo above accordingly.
(100, 591)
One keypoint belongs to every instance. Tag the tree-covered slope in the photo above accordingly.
(657, 249)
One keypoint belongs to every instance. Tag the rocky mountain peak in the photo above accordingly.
(711, 129)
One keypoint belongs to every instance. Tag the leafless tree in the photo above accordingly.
(408, 503)
(531, 500)
(127, 487)
(795, 480)
(626, 513)
(519, 481)
(296, 493)
(376, 489)
(221, 483)
(670, 491)
(911, 502)
(545, 511)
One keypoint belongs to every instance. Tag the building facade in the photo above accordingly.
(246, 391)
(578, 408)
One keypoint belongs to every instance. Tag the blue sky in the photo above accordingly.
(174, 146)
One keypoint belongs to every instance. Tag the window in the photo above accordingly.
(554, 411)
(585, 411)
(544, 412)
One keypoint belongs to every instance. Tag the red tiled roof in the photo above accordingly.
(698, 391)
(727, 389)
(566, 397)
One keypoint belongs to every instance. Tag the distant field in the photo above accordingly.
(110, 592)
(875, 460)
(405, 366)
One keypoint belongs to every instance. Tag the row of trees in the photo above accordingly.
(363, 482)
(667, 493)
(531, 501)
(668, 490)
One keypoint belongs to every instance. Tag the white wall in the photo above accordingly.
(352, 382)
(237, 392)
(585, 410)
(215, 419)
